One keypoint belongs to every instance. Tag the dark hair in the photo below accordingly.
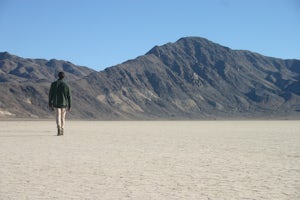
(61, 75)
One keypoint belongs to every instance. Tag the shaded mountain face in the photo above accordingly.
(17, 69)
(192, 78)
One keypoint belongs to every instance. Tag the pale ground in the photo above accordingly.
(150, 160)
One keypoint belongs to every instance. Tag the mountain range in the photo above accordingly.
(190, 79)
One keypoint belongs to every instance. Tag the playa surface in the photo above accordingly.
(150, 160)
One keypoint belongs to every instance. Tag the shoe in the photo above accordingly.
(58, 132)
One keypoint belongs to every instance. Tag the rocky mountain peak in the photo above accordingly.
(192, 78)
(5, 55)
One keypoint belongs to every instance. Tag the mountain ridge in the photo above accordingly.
(192, 78)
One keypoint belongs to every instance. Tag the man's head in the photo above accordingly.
(61, 75)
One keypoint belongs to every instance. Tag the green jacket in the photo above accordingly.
(60, 95)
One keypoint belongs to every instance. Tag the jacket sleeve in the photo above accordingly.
(69, 97)
(50, 97)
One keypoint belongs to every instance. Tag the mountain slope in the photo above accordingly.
(195, 78)
(24, 84)
(192, 78)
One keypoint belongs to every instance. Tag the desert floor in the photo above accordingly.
(150, 160)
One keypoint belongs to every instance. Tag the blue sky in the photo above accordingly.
(103, 33)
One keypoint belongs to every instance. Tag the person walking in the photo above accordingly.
(60, 101)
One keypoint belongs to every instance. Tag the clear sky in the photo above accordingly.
(103, 33)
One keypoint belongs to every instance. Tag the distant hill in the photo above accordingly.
(192, 78)
(24, 84)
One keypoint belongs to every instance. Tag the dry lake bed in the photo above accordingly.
(150, 160)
